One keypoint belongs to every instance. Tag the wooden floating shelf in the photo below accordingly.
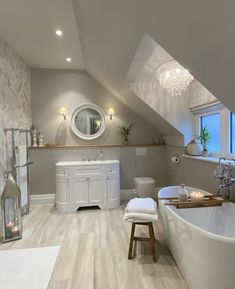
(95, 146)
(209, 201)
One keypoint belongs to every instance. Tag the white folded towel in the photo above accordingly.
(140, 217)
(141, 205)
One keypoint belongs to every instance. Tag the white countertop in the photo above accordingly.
(85, 163)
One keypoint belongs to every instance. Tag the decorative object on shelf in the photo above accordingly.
(125, 131)
(40, 140)
(174, 77)
(34, 137)
(63, 112)
(111, 112)
(88, 121)
(197, 197)
(11, 211)
(205, 138)
(194, 148)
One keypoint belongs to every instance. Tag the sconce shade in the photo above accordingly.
(111, 112)
(11, 211)
(63, 111)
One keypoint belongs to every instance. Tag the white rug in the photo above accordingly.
(27, 268)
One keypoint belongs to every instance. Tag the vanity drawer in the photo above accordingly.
(110, 170)
(87, 171)
(62, 172)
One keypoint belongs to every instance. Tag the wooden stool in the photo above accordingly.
(151, 238)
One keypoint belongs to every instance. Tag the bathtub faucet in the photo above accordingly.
(224, 174)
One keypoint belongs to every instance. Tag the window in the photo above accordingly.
(221, 124)
(212, 123)
(232, 133)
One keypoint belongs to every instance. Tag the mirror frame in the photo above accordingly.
(103, 124)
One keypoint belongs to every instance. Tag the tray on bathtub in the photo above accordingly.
(209, 201)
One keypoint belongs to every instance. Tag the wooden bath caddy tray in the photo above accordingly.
(209, 201)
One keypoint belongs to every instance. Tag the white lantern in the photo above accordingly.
(11, 212)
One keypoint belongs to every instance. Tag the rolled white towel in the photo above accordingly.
(140, 217)
(141, 205)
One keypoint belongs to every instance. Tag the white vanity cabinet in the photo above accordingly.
(80, 184)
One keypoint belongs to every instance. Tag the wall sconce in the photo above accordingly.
(111, 112)
(63, 111)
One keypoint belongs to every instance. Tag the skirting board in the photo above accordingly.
(49, 199)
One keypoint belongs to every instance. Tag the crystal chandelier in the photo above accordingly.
(173, 77)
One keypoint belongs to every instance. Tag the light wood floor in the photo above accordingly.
(94, 248)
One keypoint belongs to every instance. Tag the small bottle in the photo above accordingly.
(182, 194)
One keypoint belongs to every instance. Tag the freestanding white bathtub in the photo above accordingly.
(202, 241)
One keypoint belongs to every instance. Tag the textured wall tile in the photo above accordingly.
(15, 101)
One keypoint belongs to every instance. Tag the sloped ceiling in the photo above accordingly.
(198, 34)
(29, 26)
(143, 81)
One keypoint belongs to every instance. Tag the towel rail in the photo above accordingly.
(13, 166)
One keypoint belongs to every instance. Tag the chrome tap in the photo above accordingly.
(224, 174)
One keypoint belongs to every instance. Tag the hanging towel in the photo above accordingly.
(21, 159)
(141, 205)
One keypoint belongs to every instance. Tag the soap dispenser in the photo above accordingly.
(182, 194)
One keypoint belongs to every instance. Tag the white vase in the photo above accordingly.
(205, 153)
(194, 148)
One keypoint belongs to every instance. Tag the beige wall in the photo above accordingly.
(52, 89)
(152, 165)
(15, 100)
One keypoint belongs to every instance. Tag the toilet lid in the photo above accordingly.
(144, 180)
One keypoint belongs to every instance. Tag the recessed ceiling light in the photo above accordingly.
(59, 32)
(68, 59)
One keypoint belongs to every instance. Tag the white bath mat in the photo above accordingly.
(27, 268)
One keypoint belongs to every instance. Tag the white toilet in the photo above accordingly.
(145, 187)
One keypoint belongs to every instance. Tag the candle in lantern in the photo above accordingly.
(9, 226)
(15, 232)
(197, 197)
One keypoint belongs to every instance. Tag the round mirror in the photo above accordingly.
(88, 121)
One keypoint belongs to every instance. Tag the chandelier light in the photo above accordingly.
(173, 77)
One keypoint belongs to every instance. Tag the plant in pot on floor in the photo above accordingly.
(205, 138)
(125, 131)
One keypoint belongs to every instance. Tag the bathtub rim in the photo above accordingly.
(197, 228)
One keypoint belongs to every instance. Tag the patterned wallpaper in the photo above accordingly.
(15, 101)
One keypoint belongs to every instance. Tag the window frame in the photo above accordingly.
(198, 129)
(229, 128)
(225, 131)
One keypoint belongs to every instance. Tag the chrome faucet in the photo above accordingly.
(224, 174)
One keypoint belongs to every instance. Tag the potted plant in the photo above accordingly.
(125, 131)
(205, 137)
